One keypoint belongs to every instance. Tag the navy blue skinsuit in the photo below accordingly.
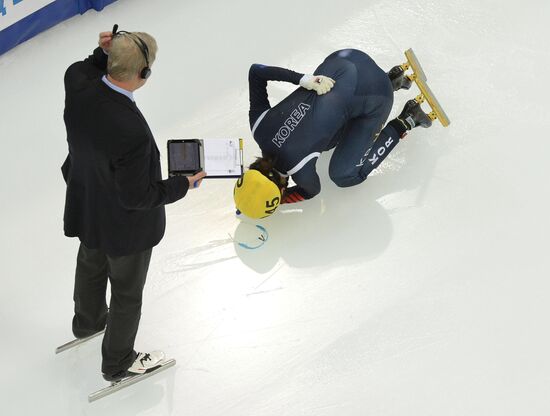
(350, 117)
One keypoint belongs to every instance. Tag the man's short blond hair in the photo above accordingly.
(125, 57)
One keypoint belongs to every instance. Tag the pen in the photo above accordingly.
(241, 153)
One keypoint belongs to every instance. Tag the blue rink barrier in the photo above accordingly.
(43, 19)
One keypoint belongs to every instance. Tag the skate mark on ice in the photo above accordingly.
(187, 260)
(261, 292)
(258, 292)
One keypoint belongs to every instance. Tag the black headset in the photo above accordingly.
(145, 72)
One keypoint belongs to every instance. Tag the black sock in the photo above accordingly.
(400, 126)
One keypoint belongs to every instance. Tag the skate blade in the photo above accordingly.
(76, 342)
(428, 95)
(119, 385)
(414, 64)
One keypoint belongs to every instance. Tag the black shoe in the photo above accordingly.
(412, 116)
(113, 378)
(399, 80)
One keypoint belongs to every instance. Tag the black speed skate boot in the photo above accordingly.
(398, 78)
(412, 116)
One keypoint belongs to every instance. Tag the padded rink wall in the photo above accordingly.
(22, 19)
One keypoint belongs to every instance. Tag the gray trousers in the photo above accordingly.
(121, 319)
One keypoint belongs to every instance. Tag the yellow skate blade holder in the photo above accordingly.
(426, 94)
(414, 64)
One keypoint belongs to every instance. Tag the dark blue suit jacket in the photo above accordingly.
(115, 193)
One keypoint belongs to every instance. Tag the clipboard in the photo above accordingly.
(219, 158)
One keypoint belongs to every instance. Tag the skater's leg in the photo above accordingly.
(90, 286)
(340, 134)
(360, 73)
(348, 160)
(386, 141)
(349, 157)
(362, 151)
(127, 277)
(399, 79)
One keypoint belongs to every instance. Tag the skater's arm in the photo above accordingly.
(295, 194)
(258, 76)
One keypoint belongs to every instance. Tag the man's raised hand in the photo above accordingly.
(105, 39)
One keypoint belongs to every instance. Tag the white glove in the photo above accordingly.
(318, 83)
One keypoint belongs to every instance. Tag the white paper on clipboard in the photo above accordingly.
(223, 157)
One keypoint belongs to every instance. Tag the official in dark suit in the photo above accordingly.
(115, 195)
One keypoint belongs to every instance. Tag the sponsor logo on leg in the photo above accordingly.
(375, 157)
(364, 158)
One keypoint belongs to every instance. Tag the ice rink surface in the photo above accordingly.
(423, 291)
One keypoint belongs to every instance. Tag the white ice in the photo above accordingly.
(423, 291)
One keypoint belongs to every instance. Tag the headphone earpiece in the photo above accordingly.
(145, 73)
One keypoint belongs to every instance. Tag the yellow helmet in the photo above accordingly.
(255, 195)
